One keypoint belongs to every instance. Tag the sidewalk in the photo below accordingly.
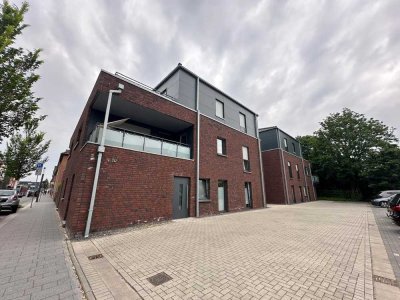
(34, 260)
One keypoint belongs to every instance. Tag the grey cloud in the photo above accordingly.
(293, 62)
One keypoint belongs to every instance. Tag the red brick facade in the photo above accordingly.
(281, 191)
(136, 187)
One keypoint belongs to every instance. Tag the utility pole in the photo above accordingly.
(40, 186)
(39, 167)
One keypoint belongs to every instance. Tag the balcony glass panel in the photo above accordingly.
(134, 142)
(183, 152)
(152, 146)
(169, 149)
(114, 138)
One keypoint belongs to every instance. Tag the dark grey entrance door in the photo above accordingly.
(180, 202)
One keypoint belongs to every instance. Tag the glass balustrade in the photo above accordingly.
(139, 142)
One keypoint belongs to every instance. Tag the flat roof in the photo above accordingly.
(276, 127)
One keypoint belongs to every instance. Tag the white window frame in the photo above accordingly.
(246, 158)
(243, 127)
(223, 146)
(217, 112)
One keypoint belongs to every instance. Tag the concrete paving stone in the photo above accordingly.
(35, 252)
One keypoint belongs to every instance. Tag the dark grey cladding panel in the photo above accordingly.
(208, 97)
(290, 141)
(172, 86)
(269, 139)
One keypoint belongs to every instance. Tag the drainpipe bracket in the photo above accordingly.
(101, 149)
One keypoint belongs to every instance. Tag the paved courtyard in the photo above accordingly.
(318, 250)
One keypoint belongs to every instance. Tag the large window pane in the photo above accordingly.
(133, 141)
(113, 138)
(242, 120)
(245, 153)
(169, 149)
(152, 146)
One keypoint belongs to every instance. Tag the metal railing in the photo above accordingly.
(141, 142)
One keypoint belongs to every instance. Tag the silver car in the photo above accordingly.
(9, 200)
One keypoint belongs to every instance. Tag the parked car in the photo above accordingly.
(31, 192)
(382, 202)
(394, 209)
(9, 200)
(385, 194)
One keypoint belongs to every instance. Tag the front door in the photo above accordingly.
(180, 202)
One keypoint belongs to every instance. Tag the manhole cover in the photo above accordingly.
(385, 280)
(96, 256)
(159, 278)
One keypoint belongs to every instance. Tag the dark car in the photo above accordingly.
(394, 209)
(9, 200)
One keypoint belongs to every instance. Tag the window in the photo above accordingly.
(301, 195)
(221, 146)
(246, 161)
(247, 194)
(307, 171)
(164, 92)
(294, 194)
(204, 189)
(242, 121)
(297, 171)
(305, 191)
(219, 109)
(294, 148)
(290, 169)
(286, 145)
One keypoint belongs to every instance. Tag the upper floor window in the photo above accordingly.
(246, 160)
(242, 121)
(290, 169)
(285, 144)
(294, 148)
(307, 171)
(221, 146)
(219, 109)
(297, 171)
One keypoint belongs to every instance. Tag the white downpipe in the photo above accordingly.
(198, 148)
(284, 167)
(100, 152)
(261, 164)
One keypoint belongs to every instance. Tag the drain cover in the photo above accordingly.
(385, 280)
(96, 256)
(159, 278)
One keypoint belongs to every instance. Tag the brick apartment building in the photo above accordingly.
(287, 175)
(58, 174)
(181, 149)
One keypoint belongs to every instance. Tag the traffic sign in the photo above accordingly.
(39, 165)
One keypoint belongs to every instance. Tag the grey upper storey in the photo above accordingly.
(180, 84)
(274, 138)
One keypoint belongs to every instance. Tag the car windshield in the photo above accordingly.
(6, 192)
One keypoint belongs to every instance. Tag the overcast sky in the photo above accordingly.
(293, 62)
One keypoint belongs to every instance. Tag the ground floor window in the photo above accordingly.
(222, 195)
(248, 194)
(204, 189)
(294, 194)
(301, 194)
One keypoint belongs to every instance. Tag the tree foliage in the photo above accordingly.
(348, 149)
(24, 150)
(17, 72)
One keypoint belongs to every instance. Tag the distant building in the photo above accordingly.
(181, 149)
(287, 175)
(58, 173)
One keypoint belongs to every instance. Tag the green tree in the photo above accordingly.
(17, 72)
(24, 150)
(383, 170)
(344, 146)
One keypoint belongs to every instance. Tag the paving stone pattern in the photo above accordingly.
(390, 233)
(34, 260)
(316, 250)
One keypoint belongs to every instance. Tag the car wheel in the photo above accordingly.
(14, 209)
(383, 204)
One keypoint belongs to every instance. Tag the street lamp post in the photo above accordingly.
(100, 152)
